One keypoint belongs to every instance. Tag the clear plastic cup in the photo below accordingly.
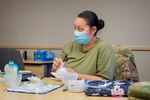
(76, 86)
(69, 76)
(13, 80)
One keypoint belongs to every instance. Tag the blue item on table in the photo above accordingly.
(43, 55)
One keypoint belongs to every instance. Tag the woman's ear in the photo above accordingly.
(93, 30)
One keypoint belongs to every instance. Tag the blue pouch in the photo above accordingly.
(108, 87)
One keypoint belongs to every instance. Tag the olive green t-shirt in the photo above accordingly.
(98, 60)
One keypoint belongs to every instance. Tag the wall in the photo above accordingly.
(50, 22)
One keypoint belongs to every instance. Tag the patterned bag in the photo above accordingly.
(108, 87)
(125, 65)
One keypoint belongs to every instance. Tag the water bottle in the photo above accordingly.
(11, 74)
(11, 68)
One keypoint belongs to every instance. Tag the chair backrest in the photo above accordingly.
(125, 65)
(7, 54)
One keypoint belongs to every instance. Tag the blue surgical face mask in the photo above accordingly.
(81, 37)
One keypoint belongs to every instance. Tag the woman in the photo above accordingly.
(89, 56)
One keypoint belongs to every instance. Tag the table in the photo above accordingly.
(47, 65)
(57, 94)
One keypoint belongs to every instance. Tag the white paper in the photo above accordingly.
(34, 89)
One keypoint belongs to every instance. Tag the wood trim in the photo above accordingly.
(34, 47)
(31, 62)
(142, 48)
(133, 48)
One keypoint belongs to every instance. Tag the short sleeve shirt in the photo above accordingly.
(99, 60)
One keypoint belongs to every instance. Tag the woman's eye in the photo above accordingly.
(80, 29)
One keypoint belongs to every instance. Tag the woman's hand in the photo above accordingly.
(56, 63)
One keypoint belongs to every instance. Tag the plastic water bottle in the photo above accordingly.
(11, 74)
(11, 68)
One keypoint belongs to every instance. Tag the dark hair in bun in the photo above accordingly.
(92, 20)
(101, 24)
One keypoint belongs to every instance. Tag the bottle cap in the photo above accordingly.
(11, 62)
(85, 80)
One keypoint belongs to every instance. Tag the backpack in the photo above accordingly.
(125, 65)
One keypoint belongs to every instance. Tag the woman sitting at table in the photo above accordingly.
(89, 56)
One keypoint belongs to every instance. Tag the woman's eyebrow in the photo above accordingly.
(80, 26)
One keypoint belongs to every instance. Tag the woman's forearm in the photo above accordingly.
(88, 77)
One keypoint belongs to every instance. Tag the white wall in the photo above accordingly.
(143, 63)
(50, 22)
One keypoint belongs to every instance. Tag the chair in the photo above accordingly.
(125, 65)
(7, 54)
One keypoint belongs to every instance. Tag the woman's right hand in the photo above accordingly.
(56, 63)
